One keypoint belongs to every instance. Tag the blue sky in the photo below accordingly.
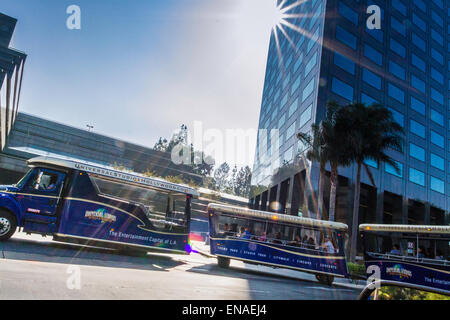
(139, 68)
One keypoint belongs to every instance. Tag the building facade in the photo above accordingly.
(325, 51)
(34, 136)
(12, 64)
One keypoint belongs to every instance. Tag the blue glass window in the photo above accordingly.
(419, 42)
(314, 39)
(342, 89)
(418, 63)
(344, 63)
(373, 54)
(417, 83)
(397, 4)
(418, 106)
(368, 100)
(396, 93)
(437, 18)
(437, 139)
(437, 96)
(437, 161)
(436, 36)
(397, 70)
(437, 117)
(377, 34)
(397, 48)
(305, 116)
(437, 185)
(296, 84)
(308, 89)
(391, 170)
(416, 152)
(398, 26)
(293, 108)
(398, 117)
(284, 101)
(348, 13)
(439, 3)
(345, 37)
(436, 55)
(286, 80)
(311, 64)
(421, 5)
(290, 131)
(417, 128)
(298, 62)
(419, 22)
(436, 75)
(281, 121)
(371, 163)
(371, 78)
(416, 176)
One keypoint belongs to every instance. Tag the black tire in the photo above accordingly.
(8, 225)
(325, 279)
(223, 262)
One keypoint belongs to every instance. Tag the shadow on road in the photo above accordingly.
(287, 287)
(241, 273)
(58, 252)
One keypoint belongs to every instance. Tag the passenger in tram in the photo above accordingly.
(395, 250)
(304, 240)
(420, 253)
(263, 236)
(246, 234)
(227, 230)
(328, 246)
(311, 243)
(277, 239)
(439, 255)
(297, 242)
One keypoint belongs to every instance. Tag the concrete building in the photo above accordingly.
(33, 136)
(328, 53)
(12, 64)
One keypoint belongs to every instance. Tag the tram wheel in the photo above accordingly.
(223, 262)
(8, 225)
(325, 279)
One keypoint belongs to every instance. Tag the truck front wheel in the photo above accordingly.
(8, 225)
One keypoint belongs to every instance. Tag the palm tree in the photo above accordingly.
(371, 131)
(317, 153)
(338, 154)
(327, 145)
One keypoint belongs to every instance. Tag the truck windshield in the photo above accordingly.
(24, 179)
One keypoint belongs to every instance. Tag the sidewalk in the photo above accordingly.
(203, 249)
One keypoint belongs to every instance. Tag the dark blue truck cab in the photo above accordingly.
(75, 201)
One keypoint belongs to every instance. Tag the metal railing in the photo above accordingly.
(410, 258)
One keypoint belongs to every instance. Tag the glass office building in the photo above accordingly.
(11, 72)
(325, 51)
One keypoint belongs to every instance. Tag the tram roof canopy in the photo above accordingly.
(106, 171)
(403, 228)
(278, 217)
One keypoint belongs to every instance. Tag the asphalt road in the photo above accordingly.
(32, 267)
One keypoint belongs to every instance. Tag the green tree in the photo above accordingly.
(243, 182)
(371, 131)
(221, 176)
